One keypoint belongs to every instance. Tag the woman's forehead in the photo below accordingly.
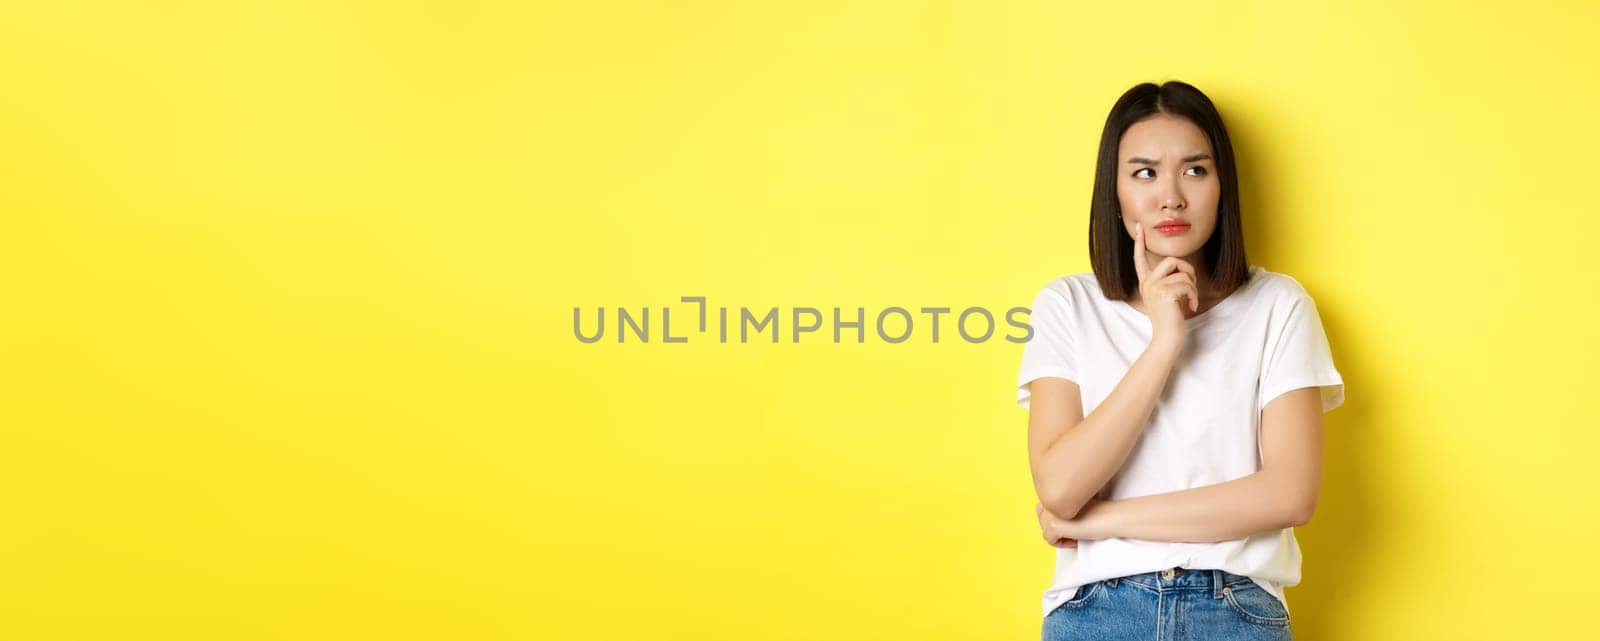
(1164, 138)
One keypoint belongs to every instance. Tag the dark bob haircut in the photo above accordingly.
(1110, 246)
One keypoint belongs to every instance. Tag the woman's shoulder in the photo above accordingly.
(1278, 286)
(1075, 287)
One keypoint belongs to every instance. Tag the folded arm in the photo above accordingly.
(1282, 494)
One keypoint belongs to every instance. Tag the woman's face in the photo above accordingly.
(1166, 170)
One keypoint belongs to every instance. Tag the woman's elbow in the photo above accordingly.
(1062, 502)
(1301, 511)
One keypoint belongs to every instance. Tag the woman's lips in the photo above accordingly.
(1173, 230)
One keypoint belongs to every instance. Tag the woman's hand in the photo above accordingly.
(1164, 290)
(1049, 527)
(1090, 523)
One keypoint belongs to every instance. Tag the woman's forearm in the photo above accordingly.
(1232, 510)
(1080, 462)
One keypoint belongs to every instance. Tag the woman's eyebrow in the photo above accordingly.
(1146, 161)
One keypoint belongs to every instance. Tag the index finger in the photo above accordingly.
(1140, 264)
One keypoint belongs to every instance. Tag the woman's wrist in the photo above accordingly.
(1165, 346)
(1098, 519)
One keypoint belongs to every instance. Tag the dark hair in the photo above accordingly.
(1110, 247)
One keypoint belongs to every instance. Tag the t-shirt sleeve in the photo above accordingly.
(1300, 357)
(1051, 350)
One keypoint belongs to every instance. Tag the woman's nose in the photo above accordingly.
(1171, 199)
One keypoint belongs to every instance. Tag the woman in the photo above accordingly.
(1175, 397)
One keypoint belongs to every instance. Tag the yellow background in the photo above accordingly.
(288, 293)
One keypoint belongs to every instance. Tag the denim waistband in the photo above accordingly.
(1181, 579)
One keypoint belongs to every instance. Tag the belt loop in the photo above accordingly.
(1216, 584)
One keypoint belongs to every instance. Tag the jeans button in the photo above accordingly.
(1167, 574)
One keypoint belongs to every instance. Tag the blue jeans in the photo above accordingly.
(1176, 604)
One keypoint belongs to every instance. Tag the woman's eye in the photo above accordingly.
(1201, 170)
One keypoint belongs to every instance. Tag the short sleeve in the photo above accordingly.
(1300, 357)
(1050, 351)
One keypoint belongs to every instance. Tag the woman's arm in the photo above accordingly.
(1233, 510)
(1283, 494)
(1073, 456)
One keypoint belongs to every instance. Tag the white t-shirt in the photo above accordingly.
(1264, 339)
